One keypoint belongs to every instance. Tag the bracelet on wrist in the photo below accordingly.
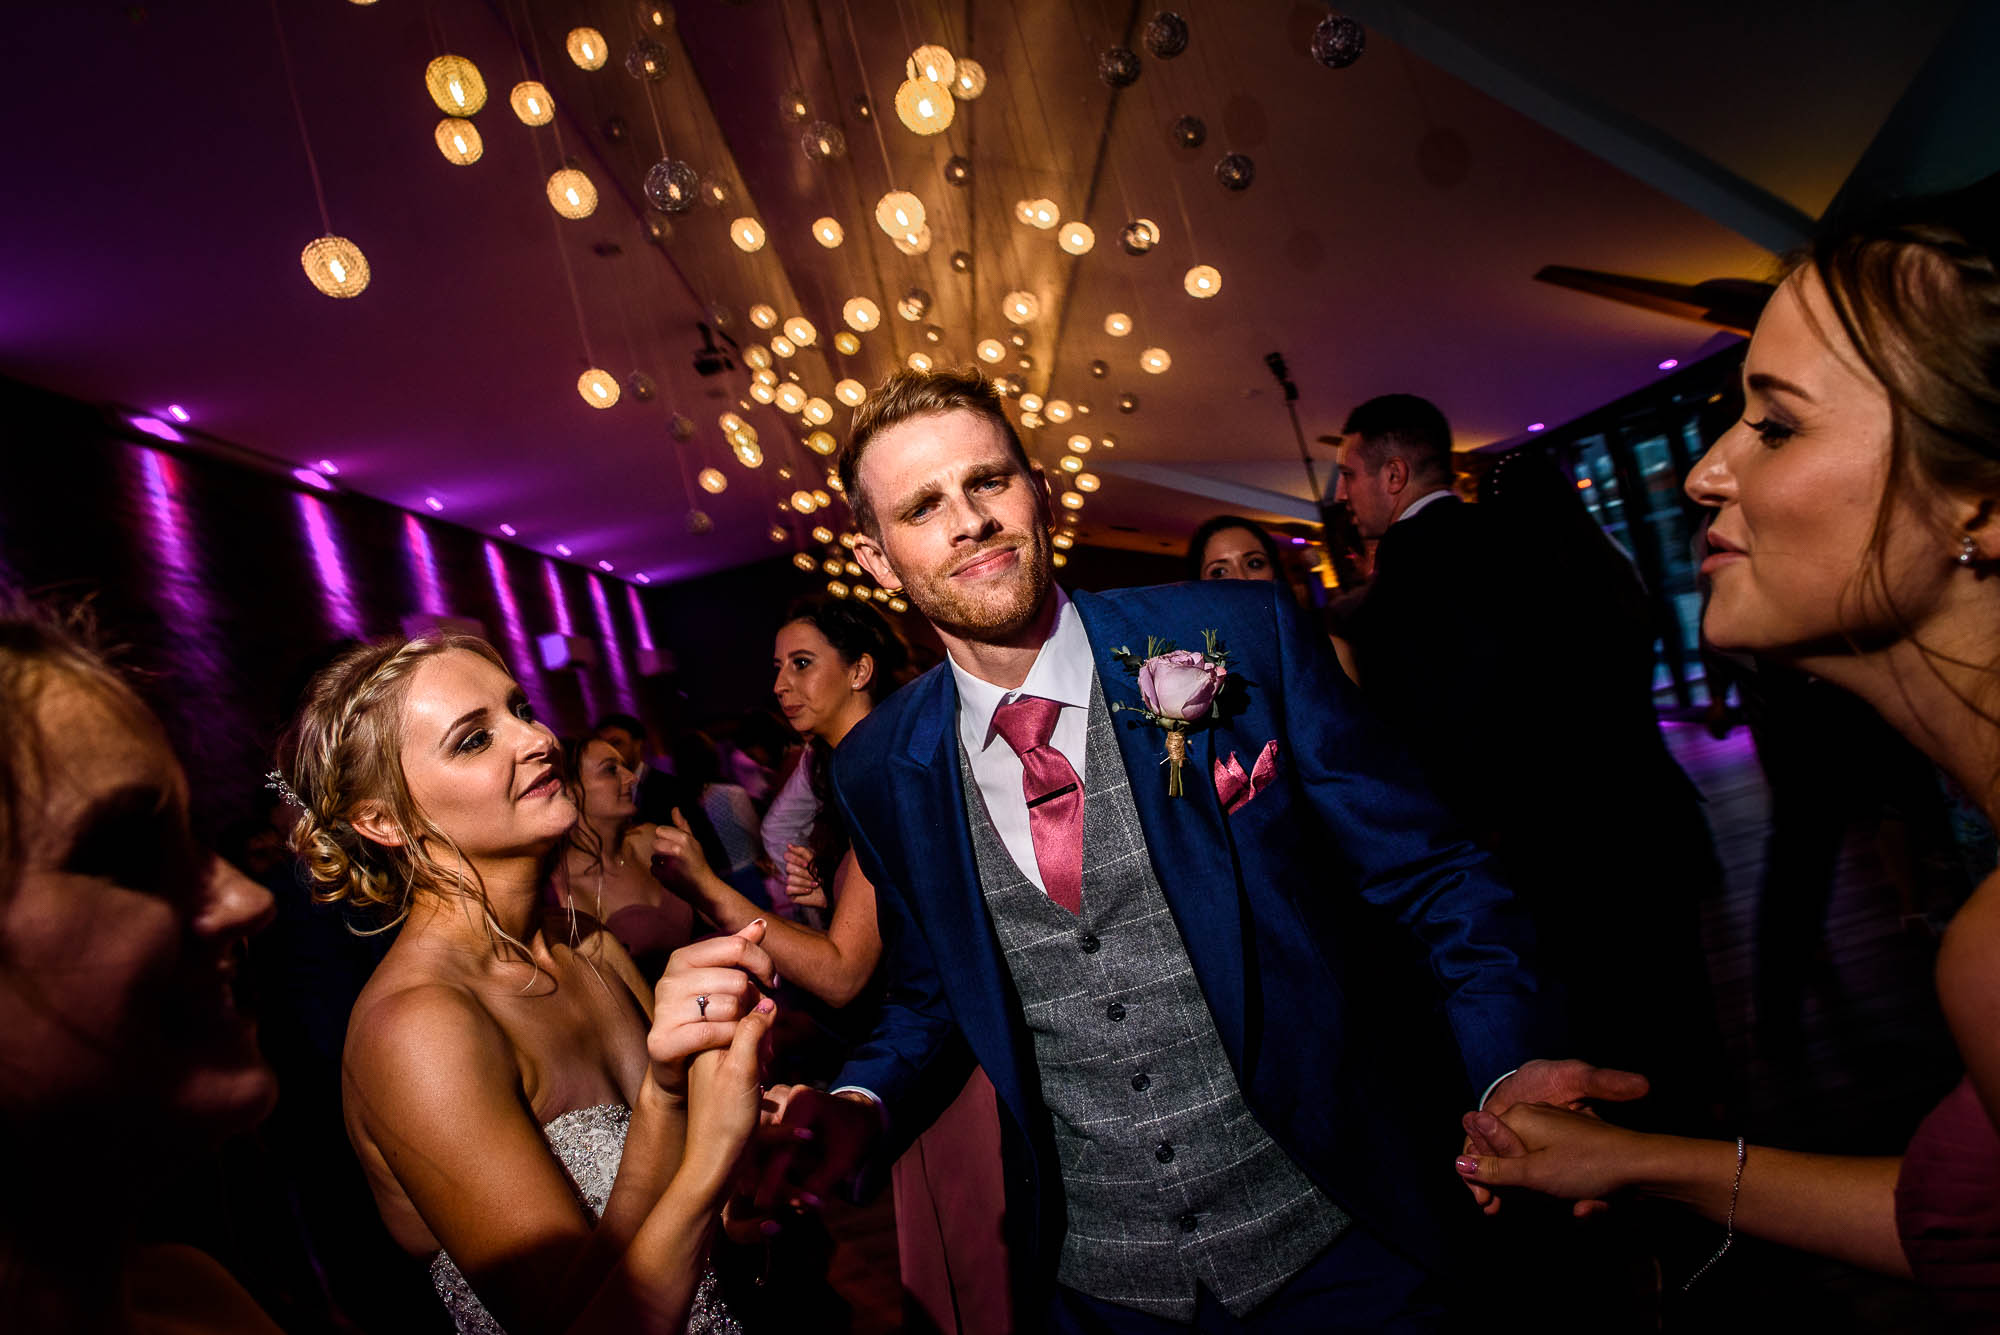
(1729, 1222)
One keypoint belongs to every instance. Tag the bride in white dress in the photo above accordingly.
(554, 1134)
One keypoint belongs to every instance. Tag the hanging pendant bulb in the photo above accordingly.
(850, 392)
(572, 194)
(990, 350)
(914, 243)
(586, 47)
(763, 316)
(823, 141)
(920, 361)
(748, 234)
(1118, 324)
(915, 305)
(861, 314)
(971, 80)
(790, 397)
(846, 343)
(1155, 360)
(898, 212)
(1202, 281)
(800, 330)
(335, 266)
(454, 84)
(459, 141)
(598, 388)
(931, 62)
(925, 107)
(531, 102)
(1076, 238)
(822, 442)
(817, 411)
(647, 61)
(671, 186)
(828, 233)
(1020, 307)
(712, 481)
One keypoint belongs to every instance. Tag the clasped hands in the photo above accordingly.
(1537, 1132)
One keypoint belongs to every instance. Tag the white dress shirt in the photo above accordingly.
(1063, 672)
(1428, 498)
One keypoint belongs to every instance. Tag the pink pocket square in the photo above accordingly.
(1234, 788)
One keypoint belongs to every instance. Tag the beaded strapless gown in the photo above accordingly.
(589, 1143)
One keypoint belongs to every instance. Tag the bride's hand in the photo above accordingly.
(678, 861)
(1556, 1151)
(708, 987)
(725, 1090)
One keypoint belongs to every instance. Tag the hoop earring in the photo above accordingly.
(1967, 550)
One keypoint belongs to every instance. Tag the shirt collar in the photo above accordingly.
(1428, 498)
(1062, 672)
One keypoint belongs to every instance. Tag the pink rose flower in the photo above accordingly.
(1180, 685)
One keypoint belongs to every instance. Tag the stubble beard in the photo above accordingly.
(992, 615)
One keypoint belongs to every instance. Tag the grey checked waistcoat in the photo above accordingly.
(1168, 1179)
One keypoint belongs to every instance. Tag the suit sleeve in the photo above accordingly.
(1401, 854)
(914, 1059)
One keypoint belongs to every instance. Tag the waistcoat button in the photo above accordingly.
(1114, 1012)
(1165, 1153)
(1142, 1082)
(1188, 1223)
(1087, 943)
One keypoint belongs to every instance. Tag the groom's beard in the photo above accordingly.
(993, 610)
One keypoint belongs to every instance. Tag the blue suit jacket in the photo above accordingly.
(1345, 815)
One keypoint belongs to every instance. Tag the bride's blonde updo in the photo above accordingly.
(345, 749)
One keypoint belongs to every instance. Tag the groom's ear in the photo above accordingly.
(868, 552)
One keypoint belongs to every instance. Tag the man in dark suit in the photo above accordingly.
(1146, 976)
(1510, 645)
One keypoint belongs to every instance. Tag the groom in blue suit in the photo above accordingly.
(1147, 977)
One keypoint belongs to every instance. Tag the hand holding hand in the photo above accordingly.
(724, 1093)
(802, 884)
(707, 988)
(811, 1142)
(1561, 1084)
(1557, 1151)
(678, 861)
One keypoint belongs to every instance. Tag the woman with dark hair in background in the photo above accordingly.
(119, 1033)
(1856, 537)
(1231, 547)
(607, 855)
(836, 659)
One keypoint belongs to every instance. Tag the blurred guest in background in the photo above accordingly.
(606, 871)
(123, 1046)
(732, 813)
(659, 792)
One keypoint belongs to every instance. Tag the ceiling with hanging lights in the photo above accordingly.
(609, 278)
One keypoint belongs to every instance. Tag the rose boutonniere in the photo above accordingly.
(1178, 689)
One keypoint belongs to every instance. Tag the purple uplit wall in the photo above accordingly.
(559, 605)
(639, 626)
(614, 652)
(518, 650)
(335, 599)
(423, 567)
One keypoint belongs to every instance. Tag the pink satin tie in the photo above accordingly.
(1055, 796)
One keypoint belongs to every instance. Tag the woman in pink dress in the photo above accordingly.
(1856, 536)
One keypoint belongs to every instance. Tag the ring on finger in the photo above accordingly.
(701, 1004)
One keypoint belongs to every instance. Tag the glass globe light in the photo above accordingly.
(1202, 281)
(823, 140)
(833, 482)
(800, 330)
(847, 343)
(822, 443)
(897, 604)
(933, 63)
(803, 503)
(1063, 541)
(730, 423)
(455, 85)
(861, 314)
(821, 499)
(763, 316)
(783, 346)
(671, 185)
(914, 243)
(925, 107)
(957, 169)
(1031, 403)
(1017, 339)
(1058, 559)
(748, 234)
(1076, 238)
(914, 305)
(459, 141)
(748, 453)
(586, 47)
(1042, 213)
(572, 194)
(1117, 324)
(1155, 360)
(757, 357)
(1139, 236)
(647, 60)
(715, 192)
(830, 566)
(971, 80)
(990, 350)
(817, 411)
(792, 105)
(1128, 403)
(599, 388)
(853, 570)
(1031, 420)
(1086, 481)
(1072, 501)
(1079, 443)
(804, 561)
(762, 392)
(335, 266)
(1020, 307)
(828, 233)
(1108, 442)
(920, 361)
(836, 588)
(1072, 463)
(822, 535)
(850, 392)
(898, 212)
(531, 103)
(712, 481)
(1057, 410)
(790, 397)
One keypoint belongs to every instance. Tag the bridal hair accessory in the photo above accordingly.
(1178, 688)
(275, 780)
(1968, 550)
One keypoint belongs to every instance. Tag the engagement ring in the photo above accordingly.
(701, 1004)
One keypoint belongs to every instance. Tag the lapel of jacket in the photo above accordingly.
(928, 796)
(1187, 836)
